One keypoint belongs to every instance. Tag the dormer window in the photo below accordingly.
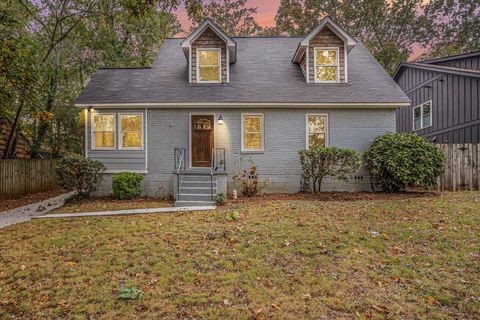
(208, 65)
(326, 65)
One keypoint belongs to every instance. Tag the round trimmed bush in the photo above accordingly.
(401, 160)
(127, 185)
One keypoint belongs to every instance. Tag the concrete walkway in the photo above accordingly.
(27, 212)
(124, 212)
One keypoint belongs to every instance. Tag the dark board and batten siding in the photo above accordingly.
(119, 160)
(455, 105)
(472, 63)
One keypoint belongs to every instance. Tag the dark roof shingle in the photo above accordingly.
(263, 73)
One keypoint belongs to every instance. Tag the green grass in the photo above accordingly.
(414, 258)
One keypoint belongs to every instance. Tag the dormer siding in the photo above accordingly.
(209, 39)
(328, 39)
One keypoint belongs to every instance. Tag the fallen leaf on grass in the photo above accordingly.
(431, 300)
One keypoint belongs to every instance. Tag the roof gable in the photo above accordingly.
(207, 23)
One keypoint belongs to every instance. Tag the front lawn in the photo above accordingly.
(110, 204)
(405, 258)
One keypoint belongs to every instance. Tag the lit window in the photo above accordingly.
(103, 131)
(422, 116)
(252, 132)
(316, 130)
(208, 65)
(326, 65)
(131, 131)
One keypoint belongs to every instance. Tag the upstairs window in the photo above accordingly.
(131, 133)
(326, 64)
(422, 116)
(208, 65)
(103, 131)
(316, 130)
(252, 132)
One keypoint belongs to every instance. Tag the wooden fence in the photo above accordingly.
(462, 167)
(19, 177)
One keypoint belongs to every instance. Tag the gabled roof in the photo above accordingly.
(207, 23)
(454, 57)
(473, 73)
(330, 23)
(263, 75)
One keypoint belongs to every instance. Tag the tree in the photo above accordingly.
(319, 162)
(387, 28)
(232, 16)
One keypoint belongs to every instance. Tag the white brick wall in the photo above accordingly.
(284, 136)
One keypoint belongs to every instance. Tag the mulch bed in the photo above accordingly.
(337, 196)
(6, 205)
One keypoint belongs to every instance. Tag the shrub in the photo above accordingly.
(127, 185)
(246, 180)
(220, 199)
(319, 162)
(401, 160)
(75, 172)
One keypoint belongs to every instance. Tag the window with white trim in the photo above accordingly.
(252, 132)
(103, 131)
(326, 65)
(422, 116)
(131, 131)
(316, 130)
(208, 65)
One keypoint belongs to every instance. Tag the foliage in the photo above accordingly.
(127, 185)
(232, 16)
(78, 173)
(246, 179)
(319, 162)
(233, 215)
(129, 293)
(401, 160)
(220, 199)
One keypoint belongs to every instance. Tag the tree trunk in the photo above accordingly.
(12, 141)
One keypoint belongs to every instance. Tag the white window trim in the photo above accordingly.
(92, 135)
(219, 65)
(421, 116)
(307, 136)
(262, 131)
(120, 136)
(315, 64)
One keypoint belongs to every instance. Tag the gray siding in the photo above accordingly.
(455, 105)
(117, 160)
(285, 134)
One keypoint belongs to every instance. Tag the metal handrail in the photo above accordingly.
(179, 164)
(212, 164)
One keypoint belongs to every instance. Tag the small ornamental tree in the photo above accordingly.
(401, 160)
(127, 185)
(319, 162)
(75, 172)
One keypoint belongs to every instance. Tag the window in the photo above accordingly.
(208, 65)
(326, 64)
(131, 133)
(103, 131)
(316, 130)
(252, 132)
(422, 116)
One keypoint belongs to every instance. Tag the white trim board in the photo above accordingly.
(229, 105)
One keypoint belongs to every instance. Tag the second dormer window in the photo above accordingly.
(326, 65)
(208, 65)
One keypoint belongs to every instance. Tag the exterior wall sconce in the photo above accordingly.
(220, 120)
(89, 108)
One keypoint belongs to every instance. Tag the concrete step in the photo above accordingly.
(197, 190)
(195, 197)
(195, 178)
(182, 203)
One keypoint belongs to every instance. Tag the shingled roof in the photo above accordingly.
(263, 73)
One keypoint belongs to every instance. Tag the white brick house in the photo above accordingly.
(209, 99)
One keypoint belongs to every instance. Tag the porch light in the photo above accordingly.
(220, 120)
(89, 108)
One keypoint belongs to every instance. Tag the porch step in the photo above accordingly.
(196, 189)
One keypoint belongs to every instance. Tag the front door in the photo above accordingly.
(202, 140)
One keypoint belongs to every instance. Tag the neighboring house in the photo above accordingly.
(445, 96)
(210, 98)
(22, 146)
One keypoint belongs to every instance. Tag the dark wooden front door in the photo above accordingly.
(202, 140)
